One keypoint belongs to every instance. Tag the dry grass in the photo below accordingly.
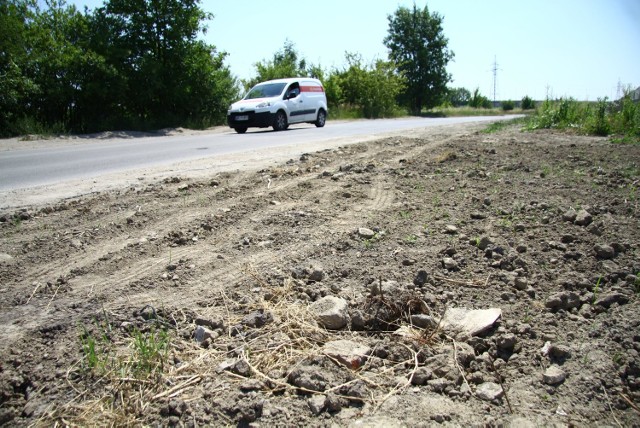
(111, 399)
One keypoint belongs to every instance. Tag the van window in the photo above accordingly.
(293, 91)
(265, 91)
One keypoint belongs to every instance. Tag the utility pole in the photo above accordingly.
(495, 77)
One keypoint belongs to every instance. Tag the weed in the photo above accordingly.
(618, 359)
(405, 215)
(89, 350)
(149, 351)
(505, 223)
(596, 290)
(411, 239)
(368, 243)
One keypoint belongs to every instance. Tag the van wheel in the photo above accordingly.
(322, 118)
(240, 129)
(280, 121)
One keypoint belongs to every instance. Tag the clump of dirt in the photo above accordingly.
(449, 276)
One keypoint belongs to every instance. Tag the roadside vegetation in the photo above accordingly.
(619, 119)
(141, 65)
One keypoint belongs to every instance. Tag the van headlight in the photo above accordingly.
(264, 105)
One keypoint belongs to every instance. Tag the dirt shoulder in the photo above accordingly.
(326, 289)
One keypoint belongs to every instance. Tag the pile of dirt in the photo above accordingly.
(450, 276)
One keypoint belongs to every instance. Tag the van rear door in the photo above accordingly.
(313, 93)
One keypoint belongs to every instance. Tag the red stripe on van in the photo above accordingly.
(311, 89)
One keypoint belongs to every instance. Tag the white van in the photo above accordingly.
(280, 103)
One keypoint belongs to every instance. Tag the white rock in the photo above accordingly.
(366, 233)
(489, 391)
(317, 403)
(554, 375)
(449, 263)
(470, 321)
(331, 312)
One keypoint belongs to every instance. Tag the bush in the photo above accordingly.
(597, 122)
(479, 101)
(527, 103)
(508, 105)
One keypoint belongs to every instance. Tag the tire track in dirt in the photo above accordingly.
(104, 278)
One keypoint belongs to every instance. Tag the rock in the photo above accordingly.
(349, 353)
(241, 367)
(470, 322)
(583, 218)
(565, 300)
(257, 319)
(484, 242)
(521, 283)
(421, 278)
(307, 377)
(423, 321)
(365, 233)
(554, 375)
(559, 352)
(449, 263)
(202, 333)
(450, 229)
(438, 385)
(212, 323)
(570, 215)
(507, 342)
(609, 299)
(331, 312)
(316, 274)
(317, 403)
(604, 251)
(489, 391)
(421, 376)
(465, 354)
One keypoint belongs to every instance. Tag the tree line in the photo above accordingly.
(142, 64)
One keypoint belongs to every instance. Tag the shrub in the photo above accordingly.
(527, 103)
(479, 101)
(508, 105)
(597, 121)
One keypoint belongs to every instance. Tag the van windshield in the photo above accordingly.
(265, 91)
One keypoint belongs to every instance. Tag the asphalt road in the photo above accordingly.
(25, 168)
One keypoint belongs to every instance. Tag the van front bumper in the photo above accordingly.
(250, 119)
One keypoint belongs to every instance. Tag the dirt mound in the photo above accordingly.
(446, 277)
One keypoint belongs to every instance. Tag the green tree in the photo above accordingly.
(286, 62)
(458, 96)
(418, 48)
(373, 88)
(15, 86)
(167, 76)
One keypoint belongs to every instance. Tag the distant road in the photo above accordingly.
(25, 168)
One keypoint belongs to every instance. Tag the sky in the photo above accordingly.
(585, 49)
